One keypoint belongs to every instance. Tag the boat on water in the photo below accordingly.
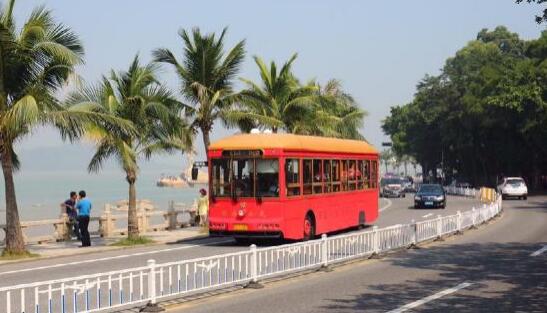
(185, 178)
(172, 181)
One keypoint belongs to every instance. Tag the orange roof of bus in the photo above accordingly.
(290, 142)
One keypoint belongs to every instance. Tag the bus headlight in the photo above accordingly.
(417, 198)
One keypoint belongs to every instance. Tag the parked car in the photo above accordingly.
(430, 195)
(391, 187)
(513, 187)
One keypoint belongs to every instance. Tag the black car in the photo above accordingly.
(430, 195)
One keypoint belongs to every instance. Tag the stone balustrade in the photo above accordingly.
(105, 225)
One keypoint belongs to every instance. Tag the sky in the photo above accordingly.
(378, 49)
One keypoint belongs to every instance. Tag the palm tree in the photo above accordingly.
(279, 102)
(35, 61)
(206, 74)
(336, 113)
(138, 97)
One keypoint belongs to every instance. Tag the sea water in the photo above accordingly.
(40, 193)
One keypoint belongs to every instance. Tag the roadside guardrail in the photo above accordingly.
(153, 282)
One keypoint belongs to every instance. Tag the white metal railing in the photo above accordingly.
(461, 191)
(135, 286)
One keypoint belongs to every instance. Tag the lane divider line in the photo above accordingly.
(540, 251)
(385, 207)
(430, 298)
(112, 257)
(427, 215)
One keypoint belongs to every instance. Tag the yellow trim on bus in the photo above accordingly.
(290, 142)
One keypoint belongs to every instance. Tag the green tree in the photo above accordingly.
(484, 116)
(136, 96)
(206, 74)
(278, 102)
(35, 61)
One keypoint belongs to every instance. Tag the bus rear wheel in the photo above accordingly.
(309, 228)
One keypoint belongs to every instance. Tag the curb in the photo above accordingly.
(102, 249)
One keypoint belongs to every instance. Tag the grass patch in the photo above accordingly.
(141, 240)
(9, 255)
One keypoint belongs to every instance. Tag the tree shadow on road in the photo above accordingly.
(505, 279)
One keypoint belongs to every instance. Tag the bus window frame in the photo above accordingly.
(326, 191)
(231, 183)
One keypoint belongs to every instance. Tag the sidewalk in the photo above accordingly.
(98, 244)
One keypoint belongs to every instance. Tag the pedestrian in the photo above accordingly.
(203, 207)
(72, 213)
(84, 210)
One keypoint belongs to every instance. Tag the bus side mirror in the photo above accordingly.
(194, 173)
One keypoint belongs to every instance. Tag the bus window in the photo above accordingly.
(267, 177)
(308, 175)
(243, 177)
(344, 174)
(352, 175)
(221, 178)
(360, 174)
(327, 175)
(317, 177)
(374, 174)
(335, 175)
(366, 171)
(292, 177)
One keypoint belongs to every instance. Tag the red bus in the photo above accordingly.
(290, 186)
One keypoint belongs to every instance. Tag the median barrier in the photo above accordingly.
(487, 195)
(154, 282)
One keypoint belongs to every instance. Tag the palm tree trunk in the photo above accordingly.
(206, 130)
(14, 235)
(132, 220)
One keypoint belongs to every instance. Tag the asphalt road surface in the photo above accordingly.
(498, 268)
(393, 211)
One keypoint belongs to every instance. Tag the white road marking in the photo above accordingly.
(540, 251)
(430, 298)
(427, 215)
(111, 258)
(385, 207)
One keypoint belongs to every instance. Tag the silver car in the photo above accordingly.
(392, 187)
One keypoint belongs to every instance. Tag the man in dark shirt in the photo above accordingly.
(70, 207)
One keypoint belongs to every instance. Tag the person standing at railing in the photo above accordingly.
(203, 207)
(72, 213)
(84, 210)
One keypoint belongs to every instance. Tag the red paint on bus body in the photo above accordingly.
(285, 216)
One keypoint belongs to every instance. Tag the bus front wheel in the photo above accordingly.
(309, 228)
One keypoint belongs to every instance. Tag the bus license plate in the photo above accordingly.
(240, 227)
(429, 203)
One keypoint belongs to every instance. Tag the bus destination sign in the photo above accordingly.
(242, 153)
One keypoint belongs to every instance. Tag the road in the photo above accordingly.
(393, 211)
(497, 268)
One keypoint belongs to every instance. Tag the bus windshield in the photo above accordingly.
(245, 177)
